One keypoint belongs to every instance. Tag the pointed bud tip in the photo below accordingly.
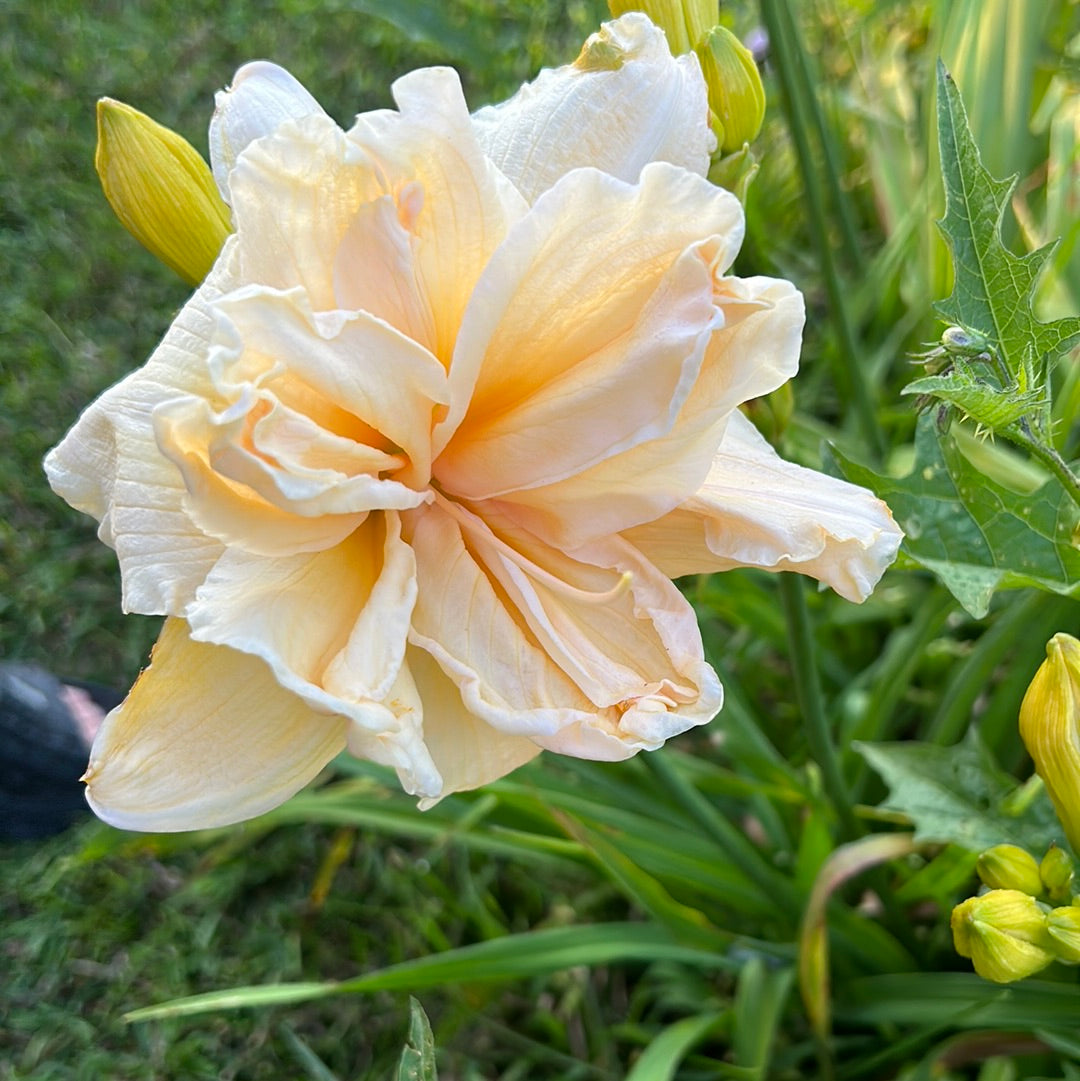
(736, 92)
(684, 22)
(1050, 729)
(160, 188)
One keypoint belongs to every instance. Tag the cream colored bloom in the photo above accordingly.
(404, 467)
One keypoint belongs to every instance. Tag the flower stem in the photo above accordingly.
(799, 102)
(811, 703)
(1022, 436)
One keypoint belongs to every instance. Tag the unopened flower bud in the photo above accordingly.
(772, 413)
(161, 189)
(1056, 872)
(1004, 933)
(1009, 867)
(736, 94)
(1050, 729)
(1063, 927)
(684, 22)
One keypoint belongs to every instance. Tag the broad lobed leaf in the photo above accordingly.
(992, 288)
(975, 535)
(959, 795)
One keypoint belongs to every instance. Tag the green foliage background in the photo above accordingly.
(668, 893)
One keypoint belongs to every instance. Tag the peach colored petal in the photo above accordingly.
(363, 365)
(206, 737)
(332, 628)
(647, 107)
(331, 625)
(588, 328)
(755, 351)
(461, 619)
(757, 510)
(294, 194)
(598, 657)
(467, 751)
(231, 511)
(454, 203)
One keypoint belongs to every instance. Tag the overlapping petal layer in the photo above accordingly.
(414, 464)
(756, 510)
(206, 737)
(625, 102)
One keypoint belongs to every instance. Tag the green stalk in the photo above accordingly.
(849, 372)
(811, 703)
(974, 674)
(1022, 436)
(830, 159)
(716, 826)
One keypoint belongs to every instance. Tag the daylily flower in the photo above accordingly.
(410, 470)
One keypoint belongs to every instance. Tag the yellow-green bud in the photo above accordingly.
(1063, 926)
(772, 413)
(1009, 867)
(683, 21)
(736, 95)
(161, 189)
(1050, 729)
(1056, 872)
(1004, 933)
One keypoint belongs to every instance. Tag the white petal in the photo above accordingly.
(206, 737)
(261, 97)
(652, 107)
(757, 510)
(109, 464)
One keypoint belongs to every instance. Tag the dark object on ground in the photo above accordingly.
(42, 752)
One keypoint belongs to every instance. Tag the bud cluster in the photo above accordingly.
(1029, 915)
(736, 93)
(1027, 918)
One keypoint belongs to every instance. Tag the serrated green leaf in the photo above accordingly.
(418, 1056)
(976, 536)
(992, 287)
(978, 399)
(958, 795)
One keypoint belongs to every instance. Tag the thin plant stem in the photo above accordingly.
(830, 158)
(811, 703)
(849, 371)
(971, 676)
(717, 827)
(1022, 436)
